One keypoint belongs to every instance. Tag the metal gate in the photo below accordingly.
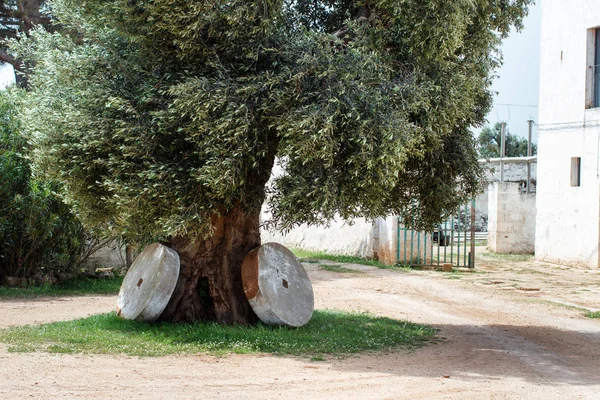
(453, 242)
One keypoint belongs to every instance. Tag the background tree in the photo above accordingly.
(20, 17)
(488, 143)
(39, 236)
(164, 119)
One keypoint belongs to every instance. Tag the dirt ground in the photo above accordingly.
(512, 330)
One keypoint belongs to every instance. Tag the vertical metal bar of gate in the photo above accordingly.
(405, 235)
(472, 254)
(452, 240)
(458, 241)
(419, 247)
(425, 248)
(446, 237)
(398, 239)
(465, 246)
(412, 243)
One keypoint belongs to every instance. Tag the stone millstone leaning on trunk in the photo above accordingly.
(277, 286)
(149, 284)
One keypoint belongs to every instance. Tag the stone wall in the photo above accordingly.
(512, 215)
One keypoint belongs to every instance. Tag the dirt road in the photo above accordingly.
(515, 330)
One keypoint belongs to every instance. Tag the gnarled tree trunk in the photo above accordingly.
(210, 281)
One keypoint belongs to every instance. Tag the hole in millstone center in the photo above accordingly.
(284, 283)
(140, 282)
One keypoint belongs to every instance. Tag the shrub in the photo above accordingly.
(39, 236)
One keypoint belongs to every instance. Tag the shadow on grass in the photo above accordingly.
(328, 332)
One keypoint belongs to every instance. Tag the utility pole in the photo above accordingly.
(529, 147)
(502, 150)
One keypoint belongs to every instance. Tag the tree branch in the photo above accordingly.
(7, 58)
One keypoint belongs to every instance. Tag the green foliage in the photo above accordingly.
(76, 286)
(38, 233)
(159, 115)
(328, 332)
(489, 143)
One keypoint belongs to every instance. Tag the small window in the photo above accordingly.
(575, 171)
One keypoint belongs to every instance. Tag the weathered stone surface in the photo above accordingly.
(277, 286)
(149, 284)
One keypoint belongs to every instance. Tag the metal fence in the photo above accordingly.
(453, 242)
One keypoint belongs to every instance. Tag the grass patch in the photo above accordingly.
(328, 333)
(339, 269)
(505, 257)
(74, 287)
(587, 313)
(314, 257)
(592, 314)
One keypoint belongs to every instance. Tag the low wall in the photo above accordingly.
(338, 238)
(363, 238)
(511, 219)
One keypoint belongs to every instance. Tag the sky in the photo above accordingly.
(518, 80)
(516, 84)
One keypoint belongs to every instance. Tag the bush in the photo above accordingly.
(39, 236)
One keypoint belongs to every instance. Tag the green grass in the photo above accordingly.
(505, 257)
(81, 286)
(328, 333)
(315, 257)
(587, 313)
(339, 269)
(592, 314)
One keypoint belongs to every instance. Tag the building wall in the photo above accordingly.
(511, 219)
(337, 238)
(363, 238)
(567, 216)
(513, 172)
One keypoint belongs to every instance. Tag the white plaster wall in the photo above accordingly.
(563, 81)
(339, 237)
(567, 217)
(386, 240)
(567, 228)
(367, 239)
(512, 215)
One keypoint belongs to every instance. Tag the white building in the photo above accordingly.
(568, 196)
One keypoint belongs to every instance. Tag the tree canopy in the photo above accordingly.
(20, 17)
(158, 115)
(489, 143)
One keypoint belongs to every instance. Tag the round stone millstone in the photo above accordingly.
(149, 284)
(277, 286)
